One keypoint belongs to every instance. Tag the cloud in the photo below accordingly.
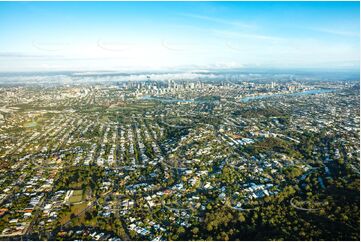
(337, 32)
(22, 55)
(238, 34)
(169, 76)
(238, 24)
(50, 46)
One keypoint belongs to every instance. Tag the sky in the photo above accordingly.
(121, 36)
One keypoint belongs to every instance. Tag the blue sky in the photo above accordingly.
(45, 36)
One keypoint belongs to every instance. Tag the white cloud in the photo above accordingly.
(337, 32)
(234, 23)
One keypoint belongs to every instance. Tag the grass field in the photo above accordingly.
(31, 124)
(76, 197)
(75, 209)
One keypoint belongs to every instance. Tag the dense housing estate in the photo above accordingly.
(221, 159)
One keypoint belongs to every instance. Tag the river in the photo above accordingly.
(309, 92)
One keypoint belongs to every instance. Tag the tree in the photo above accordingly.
(209, 227)
(180, 230)
(88, 215)
(195, 230)
(209, 206)
(241, 218)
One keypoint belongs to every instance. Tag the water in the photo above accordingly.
(309, 92)
(169, 100)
